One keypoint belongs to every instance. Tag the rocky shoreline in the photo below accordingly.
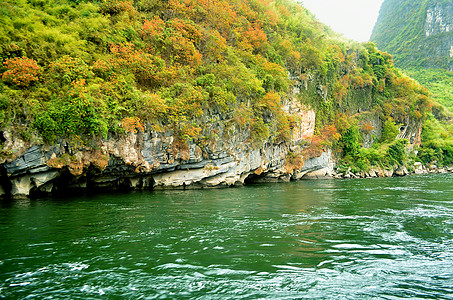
(416, 169)
(40, 172)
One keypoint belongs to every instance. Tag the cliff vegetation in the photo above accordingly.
(419, 36)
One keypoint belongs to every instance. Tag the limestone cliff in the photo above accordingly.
(416, 33)
(156, 160)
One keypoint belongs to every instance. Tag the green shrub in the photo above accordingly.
(259, 132)
(68, 69)
(389, 131)
(397, 152)
(73, 117)
(351, 141)
(376, 157)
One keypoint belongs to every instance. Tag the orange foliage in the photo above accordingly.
(189, 131)
(292, 56)
(217, 13)
(155, 103)
(69, 69)
(337, 53)
(266, 12)
(345, 80)
(310, 55)
(245, 10)
(283, 10)
(270, 67)
(242, 115)
(400, 112)
(342, 122)
(187, 103)
(132, 124)
(150, 107)
(381, 86)
(175, 40)
(417, 114)
(102, 67)
(327, 138)
(153, 28)
(357, 81)
(276, 71)
(387, 109)
(366, 127)
(330, 135)
(424, 106)
(78, 88)
(403, 86)
(285, 123)
(271, 17)
(184, 51)
(253, 39)
(294, 161)
(186, 29)
(21, 71)
(271, 101)
(316, 147)
(147, 68)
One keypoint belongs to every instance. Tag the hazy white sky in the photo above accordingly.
(354, 18)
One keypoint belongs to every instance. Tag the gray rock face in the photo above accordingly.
(33, 158)
(31, 172)
(439, 18)
(159, 160)
(416, 33)
(318, 163)
(28, 172)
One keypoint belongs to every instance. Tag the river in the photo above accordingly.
(385, 238)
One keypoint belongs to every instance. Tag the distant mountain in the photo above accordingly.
(417, 33)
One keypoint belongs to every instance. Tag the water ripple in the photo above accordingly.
(366, 239)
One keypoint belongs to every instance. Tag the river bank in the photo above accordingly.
(38, 173)
(416, 169)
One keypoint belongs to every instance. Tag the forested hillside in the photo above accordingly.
(78, 72)
(419, 35)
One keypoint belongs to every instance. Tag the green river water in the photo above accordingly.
(389, 238)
